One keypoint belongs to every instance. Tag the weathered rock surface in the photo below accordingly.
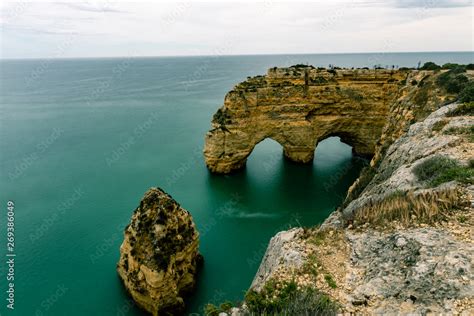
(413, 268)
(280, 253)
(415, 271)
(422, 141)
(159, 255)
(298, 107)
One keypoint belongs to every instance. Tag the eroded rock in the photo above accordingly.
(159, 255)
(298, 107)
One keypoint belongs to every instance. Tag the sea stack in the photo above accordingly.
(159, 256)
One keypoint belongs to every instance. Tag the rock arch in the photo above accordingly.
(299, 107)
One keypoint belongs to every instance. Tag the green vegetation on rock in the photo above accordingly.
(430, 66)
(440, 169)
(287, 299)
(453, 81)
(463, 109)
(467, 94)
(213, 310)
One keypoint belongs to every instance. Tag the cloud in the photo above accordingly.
(431, 4)
(112, 28)
(105, 8)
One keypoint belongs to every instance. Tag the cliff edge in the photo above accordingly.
(405, 245)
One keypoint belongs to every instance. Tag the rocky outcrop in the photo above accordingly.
(381, 263)
(436, 135)
(298, 107)
(281, 252)
(159, 255)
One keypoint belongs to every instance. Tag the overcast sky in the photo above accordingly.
(116, 28)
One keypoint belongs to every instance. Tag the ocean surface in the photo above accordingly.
(81, 140)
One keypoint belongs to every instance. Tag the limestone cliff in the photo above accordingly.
(409, 246)
(402, 242)
(298, 107)
(159, 255)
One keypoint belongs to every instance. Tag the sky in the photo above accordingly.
(113, 28)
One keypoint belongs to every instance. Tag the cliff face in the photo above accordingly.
(408, 247)
(402, 242)
(159, 254)
(298, 107)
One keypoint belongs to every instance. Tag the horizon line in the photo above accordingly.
(230, 55)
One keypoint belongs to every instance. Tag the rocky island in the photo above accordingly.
(159, 256)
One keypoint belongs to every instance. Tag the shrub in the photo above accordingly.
(456, 84)
(440, 169)
(221, 117)
(430, 66)
(213, 310)
(319, 80)
(457, 173)
(330, 281)
(470, 66)
(467, 94)
(302, 66)
(429, 168)
(469, 131)
(287, 299)
(449, 66)
(414, 82)
(463, 109)
(453, 80)
(421, 97)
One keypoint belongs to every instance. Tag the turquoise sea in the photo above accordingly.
(81, 140)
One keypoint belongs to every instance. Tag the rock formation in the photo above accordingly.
(298, 107)
(386, 262)
(159, 255)
(400, 243)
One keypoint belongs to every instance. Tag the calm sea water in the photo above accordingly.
(81, 140)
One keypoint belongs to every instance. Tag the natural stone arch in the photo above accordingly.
(299, 107)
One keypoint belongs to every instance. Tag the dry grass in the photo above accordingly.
(407, 208)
